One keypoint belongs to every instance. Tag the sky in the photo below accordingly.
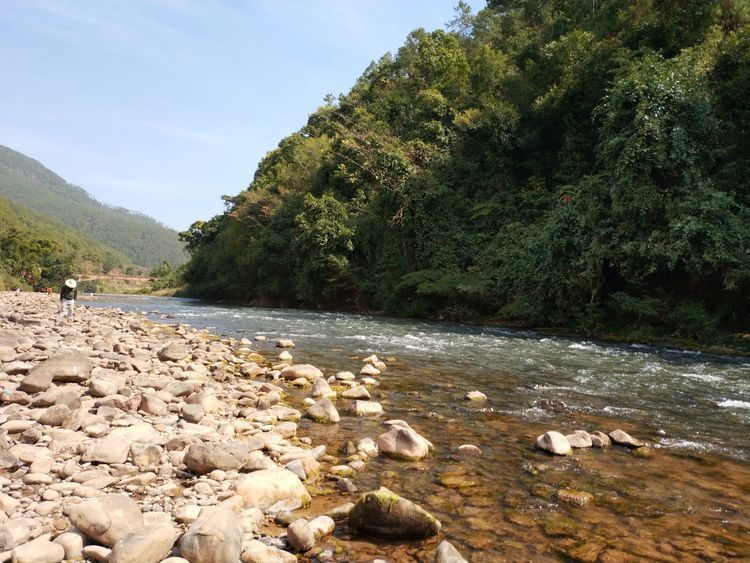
(163, 106)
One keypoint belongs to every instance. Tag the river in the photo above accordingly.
(686, 500)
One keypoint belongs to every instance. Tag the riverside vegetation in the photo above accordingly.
(579, 164)
(92, 237)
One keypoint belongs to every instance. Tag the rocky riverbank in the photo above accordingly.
(123, 440)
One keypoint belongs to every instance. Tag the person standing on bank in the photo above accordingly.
(68, 296)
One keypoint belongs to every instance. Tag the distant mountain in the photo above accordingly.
(38, 252)
(145, 241)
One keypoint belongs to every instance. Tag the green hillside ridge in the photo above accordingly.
(570, 164)
(37, 252)
(28, 183)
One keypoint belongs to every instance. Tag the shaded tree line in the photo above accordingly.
(570, 163)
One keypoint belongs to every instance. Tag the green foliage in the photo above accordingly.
(37, 252)
(144, 241)
(579, 163)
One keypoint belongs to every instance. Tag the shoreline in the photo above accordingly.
(190, 426)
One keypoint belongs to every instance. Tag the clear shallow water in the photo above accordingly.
(699, 401)
(688, 500)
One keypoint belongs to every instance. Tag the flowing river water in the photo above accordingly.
(685, 498)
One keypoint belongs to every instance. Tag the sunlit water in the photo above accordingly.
(687, 501)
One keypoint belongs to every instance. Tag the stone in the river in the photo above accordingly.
(575, 498)
(624, 439)
(446, 553)
(65, 368)
(307, 371)
(323, 411)
(285, 356)
(268, 487)
(149, 544)
(203, 458)
(358, 392)
(106, 519)
(322, 526)
(300, 535)
(475, 396)
(321, 388)
(215, 537)
(255, 551)
(469, 449)
(173, 352)
(403, 443)
(284, 343)
(554, 442)
(554, 405)
(112, 449)
(600, 439)
(363, 408)
(369, 370)
(579, 439)
(384, 513)
(38, 551)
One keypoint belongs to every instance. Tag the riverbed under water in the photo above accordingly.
(688, 499)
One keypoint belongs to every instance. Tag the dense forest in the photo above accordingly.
(146, 242)
(36, 252)
(552, 163)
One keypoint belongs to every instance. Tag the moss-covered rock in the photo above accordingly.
(384, 513)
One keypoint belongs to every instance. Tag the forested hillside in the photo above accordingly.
(578, 163)
(29, 184)
(36, 252)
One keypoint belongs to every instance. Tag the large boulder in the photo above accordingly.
(203, 458)
(149, 544)
(64, 368)
(308, 371)
(554, 442)
(269, 487)
(384, 513)
(107, 519)
(323, 411)
(404, 443)
(215, 537)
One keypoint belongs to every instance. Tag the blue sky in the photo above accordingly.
(162, 106)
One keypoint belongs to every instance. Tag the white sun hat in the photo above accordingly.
(71, 283)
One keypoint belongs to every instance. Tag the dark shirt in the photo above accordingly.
(68, 293)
